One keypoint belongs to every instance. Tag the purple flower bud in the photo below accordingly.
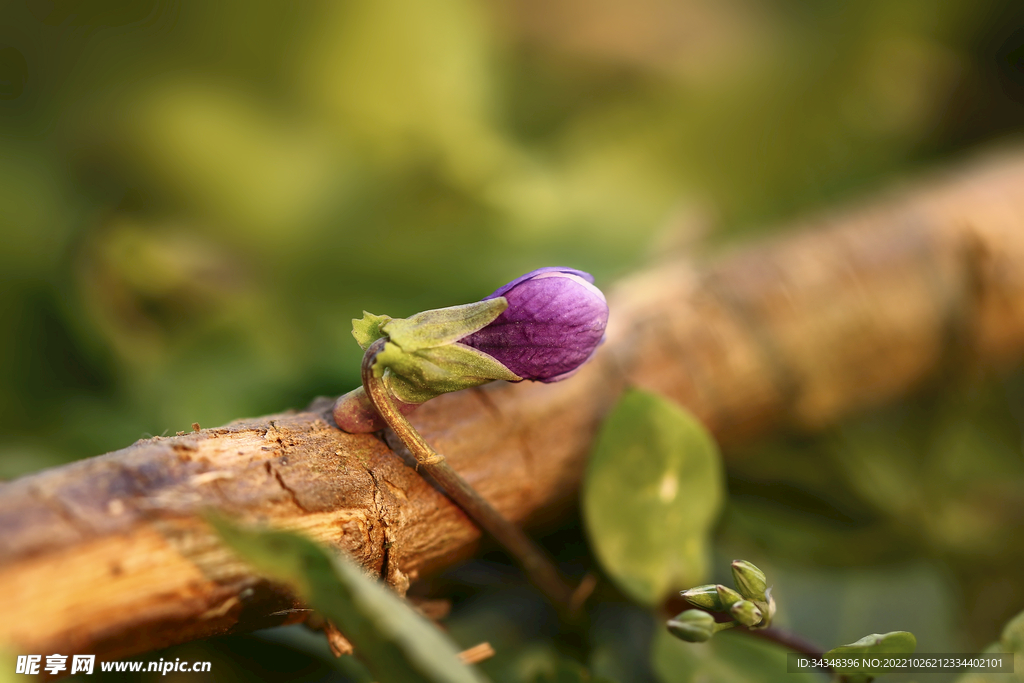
(554, 323)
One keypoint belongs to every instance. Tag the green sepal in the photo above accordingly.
(420, 376)
(422, 357)
(367, 329)
(443, 326)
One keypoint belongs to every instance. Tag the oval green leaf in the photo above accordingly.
(896, 643)
(653, 489)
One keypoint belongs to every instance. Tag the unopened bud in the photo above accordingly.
(554, 323)
(745, 612)
(693, 626)
(750, 581)
(727, 596)
(704, 596)
(542, 326)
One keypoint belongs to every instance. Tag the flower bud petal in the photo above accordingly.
(745, 612)
(554, 323)
(693, 626)
(750, 581)
(541, 326)
(704, 596)
(727, 596)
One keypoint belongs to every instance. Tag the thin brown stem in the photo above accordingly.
(791, 641)
(538, 566)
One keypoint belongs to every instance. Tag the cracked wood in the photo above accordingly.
(109, 555)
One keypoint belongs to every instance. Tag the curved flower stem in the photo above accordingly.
(534, 561)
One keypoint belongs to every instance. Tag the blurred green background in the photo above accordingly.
(197, 198)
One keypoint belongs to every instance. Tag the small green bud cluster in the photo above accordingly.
(750, 604)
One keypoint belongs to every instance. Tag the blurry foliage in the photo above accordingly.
(1011, 641)
(939, 477)
(652, 492)
(194, 198)
(395, 643)
(191, 195)
(726, 657)
(897, 642)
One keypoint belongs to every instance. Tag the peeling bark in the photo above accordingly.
(109, 555)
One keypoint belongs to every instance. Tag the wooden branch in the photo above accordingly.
(108, 556)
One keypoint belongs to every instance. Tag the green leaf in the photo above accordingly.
(653, 489)
(429, 372)
(727, 658)
(9, 664)
(897, 642)
(395, 643)
(1013, 635)
(1011, 641)
(443, 325)
(367, 330)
